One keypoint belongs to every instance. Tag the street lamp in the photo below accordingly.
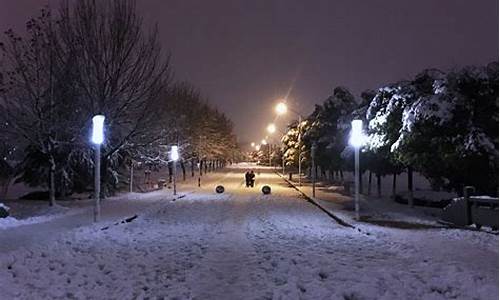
(174, 156)
(356, 140)
(281, 109)
(314, 147)
(252, 144)
(257, 147)
(271, 128)
(97, 140)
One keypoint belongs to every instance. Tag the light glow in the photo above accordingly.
(357, 138)
(271, 128)
(257, 147)
(252, 144)
(174, 153)
(263, 142)
(281, 108)
(98, 129)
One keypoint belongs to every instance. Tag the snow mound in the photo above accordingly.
(45, 215)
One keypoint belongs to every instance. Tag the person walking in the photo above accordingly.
(247, 179)
(252, 178)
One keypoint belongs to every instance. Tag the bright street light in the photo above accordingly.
(257, 147)
(357, 138)
(281, 108)
(271, 128)
(263, 142)
(252, 144)
(97, 139)
(174, 153)
(98, 129)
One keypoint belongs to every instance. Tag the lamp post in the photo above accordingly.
(97, 139)
(281, 109)
(271, 128)
(356, 140)
(313, 155)
(174, 156)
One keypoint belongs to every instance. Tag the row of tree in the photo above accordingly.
(88, 58)
(442, 124)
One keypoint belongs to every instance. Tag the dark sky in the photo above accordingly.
(244, 54)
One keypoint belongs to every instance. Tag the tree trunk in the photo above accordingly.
(379, 185)
(5, 187)
(341, 175)
(192, 168)
(52, 182)
(394, 177)
(200, 161)
(183, 166)
(370, 183)
(410, 186)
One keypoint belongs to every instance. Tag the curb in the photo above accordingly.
(315, 203)
(135, 216)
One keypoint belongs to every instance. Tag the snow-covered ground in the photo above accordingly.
(244, 245)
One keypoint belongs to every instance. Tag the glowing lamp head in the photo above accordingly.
(257, 147)
(174, 153)
(281, 108)
(271, 128)
(252, 144)
(263, 142)
(357, 138)
(98, 129)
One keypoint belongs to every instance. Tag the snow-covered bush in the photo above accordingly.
(4, 210)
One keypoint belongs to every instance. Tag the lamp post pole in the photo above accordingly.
(175, 175)
(356, 180)
(97, 183)
(313, 165)
(97, 139)
(269, 146)
(174, 156)
(300, 151)
(283, 162)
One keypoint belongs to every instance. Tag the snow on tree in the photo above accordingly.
(444, 125)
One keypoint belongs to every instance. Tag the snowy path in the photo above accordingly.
(243, 245)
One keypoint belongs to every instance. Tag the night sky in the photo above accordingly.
(244, 55)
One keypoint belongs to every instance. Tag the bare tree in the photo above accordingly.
(121, 71)
(34, 92)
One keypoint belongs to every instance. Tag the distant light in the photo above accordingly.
(98, 129)
(257, 147)
(263, 142)
(174, 153)
(357, 138)
(271, 128)
(281, 108)
(252, 144)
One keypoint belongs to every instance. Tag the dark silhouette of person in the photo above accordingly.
(247, 179)
(252, 178)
